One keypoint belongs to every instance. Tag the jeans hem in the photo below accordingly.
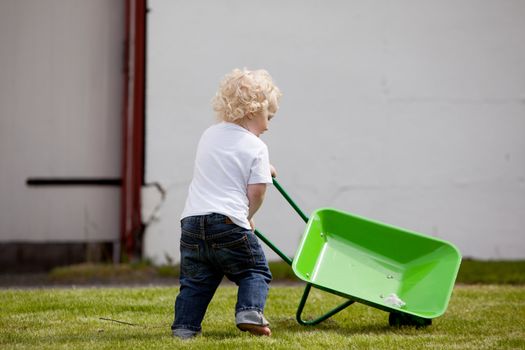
(187, 327)
(251, 316)
(241, 309)
(184, 333)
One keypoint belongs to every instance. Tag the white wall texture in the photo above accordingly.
(406, 112)
(60, 116)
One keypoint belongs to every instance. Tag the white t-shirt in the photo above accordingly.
(229, 158)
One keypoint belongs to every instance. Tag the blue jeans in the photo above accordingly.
(211, 247)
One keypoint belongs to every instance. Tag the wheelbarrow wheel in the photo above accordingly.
(397, 319)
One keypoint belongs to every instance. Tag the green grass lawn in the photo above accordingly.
(478, 317)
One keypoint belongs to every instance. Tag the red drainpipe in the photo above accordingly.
(131, 227)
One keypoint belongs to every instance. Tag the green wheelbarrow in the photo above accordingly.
(407, 274)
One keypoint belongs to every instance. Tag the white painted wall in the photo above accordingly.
(60, 116)
(407, 112)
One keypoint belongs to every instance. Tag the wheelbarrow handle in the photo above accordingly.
(273, 247)
(289, 200)
(263, 238)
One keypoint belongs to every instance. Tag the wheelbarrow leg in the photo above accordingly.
(323, 317)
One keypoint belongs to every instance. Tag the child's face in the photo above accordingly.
(259, 122)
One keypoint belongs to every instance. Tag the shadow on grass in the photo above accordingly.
(291, 325)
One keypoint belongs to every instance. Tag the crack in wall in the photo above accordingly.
(153, 198)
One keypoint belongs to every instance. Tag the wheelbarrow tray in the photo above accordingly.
(366, 261)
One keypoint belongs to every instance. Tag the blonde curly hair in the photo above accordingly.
(242, 92)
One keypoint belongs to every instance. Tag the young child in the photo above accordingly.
(231, 172)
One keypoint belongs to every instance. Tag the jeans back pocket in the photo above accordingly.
(190, 259)
(233, 253)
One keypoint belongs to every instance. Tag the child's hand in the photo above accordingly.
(273, 171)
(252, 224)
